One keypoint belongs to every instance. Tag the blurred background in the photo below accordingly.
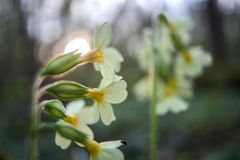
(31, 31)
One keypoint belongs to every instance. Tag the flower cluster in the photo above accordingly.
(177, 64)
(73, 120)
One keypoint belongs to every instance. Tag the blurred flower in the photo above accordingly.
(144, 50)
(106, 95)
(179, 28)
(106, 60)
(174, 72)
(142, 89)
(172, 94)
(173, 103)
(98, 151)
(163, 42)
(105, 150)
(191, 63)
(164, 46)
(77, 116)
(183, 29)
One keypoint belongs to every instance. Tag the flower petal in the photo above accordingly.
(107, 72)
(113, 58)
(61, 141)
(96, 66)
(89, 115)
(116, 92)
(105, 82)
(141, 89)
(178, 105)
(109, 154)
(111, 144)
(106, 113)
(84, 128)
(174, 104)
(102, 36)
(162, 108)
(96, 36)
(75, 107)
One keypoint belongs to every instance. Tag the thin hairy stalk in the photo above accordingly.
(46, 125)
(34, 119)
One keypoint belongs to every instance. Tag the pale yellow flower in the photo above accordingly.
(106, 95)
(105, 150)
(173, 94)
(79, 117)
(107, 60)
(192, 62)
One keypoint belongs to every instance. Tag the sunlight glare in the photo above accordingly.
(79, 43)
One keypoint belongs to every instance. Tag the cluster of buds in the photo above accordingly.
(72, 121)
(177, 64)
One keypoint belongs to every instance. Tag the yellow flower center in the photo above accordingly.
(96, 94)
(171, 87)
(187, 57)
(93, 147)
(71, 119)
(93, 56)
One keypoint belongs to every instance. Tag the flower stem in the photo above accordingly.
(153, 115)
(34, 120)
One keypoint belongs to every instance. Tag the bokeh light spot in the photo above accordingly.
(80, 44)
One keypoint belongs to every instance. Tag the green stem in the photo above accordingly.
(34, 120)
(46, 125)
(153, 115)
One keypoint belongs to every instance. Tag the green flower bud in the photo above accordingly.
(61, 64)
(70, 132)
(177, 41)
(163, 19)
(67, 90)
(54, 108)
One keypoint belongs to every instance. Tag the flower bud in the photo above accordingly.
(67, 90)
(177, 41)
(163, 19)
(70, 132)
(61, 64)
(54, 108)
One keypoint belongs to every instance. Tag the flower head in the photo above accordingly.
(105, 150)
(173, 92)
(107, 60)
(77, 116)
(106, 95)
(191, 63)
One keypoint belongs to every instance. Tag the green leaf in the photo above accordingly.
(61, 64)
(67, 90)
(70, 132)
(54, 108)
